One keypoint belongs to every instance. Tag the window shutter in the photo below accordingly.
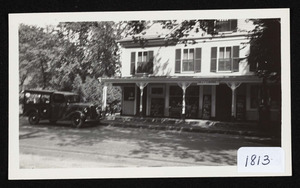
(132, 63)
(150, 61)
(235, 59)
(177, 60)
(213, 60)
(233, 25)
(198, 60)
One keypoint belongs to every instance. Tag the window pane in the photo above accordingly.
(185, 54)
(228, 52)
(145, 56)
(227, 65)
(221, 54)
(191, 66)
(191, 55)
(185, 66)
(140, 56)
(129, 93)
(224, 25)
(221, 65)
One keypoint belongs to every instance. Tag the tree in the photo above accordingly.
(69, 57)
(95, 50)
(265, 53)
(38, 52)
(265, 58)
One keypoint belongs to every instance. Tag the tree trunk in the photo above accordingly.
(43, 74)
(264, 109)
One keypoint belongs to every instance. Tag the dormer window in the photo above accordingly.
(226, 25)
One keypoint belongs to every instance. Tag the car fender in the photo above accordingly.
(76, 112)
(31, 110)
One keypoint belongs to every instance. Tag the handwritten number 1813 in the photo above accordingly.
(257, 160)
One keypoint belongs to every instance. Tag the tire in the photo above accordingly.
(33, 118)
(77, 121)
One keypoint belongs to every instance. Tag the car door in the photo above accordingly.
(58, 106)
(45, 107)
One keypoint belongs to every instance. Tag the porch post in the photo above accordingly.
(104, 97)
(233, 86)
(141, 85)
(184, 86)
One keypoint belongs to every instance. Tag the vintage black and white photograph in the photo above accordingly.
(146, 94)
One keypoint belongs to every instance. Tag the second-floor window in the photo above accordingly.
(188, 60)
(226, 25)
(141, 62)
(225, 59)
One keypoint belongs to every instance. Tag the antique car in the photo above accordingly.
(55, 106)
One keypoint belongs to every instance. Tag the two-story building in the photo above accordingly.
(199, 76)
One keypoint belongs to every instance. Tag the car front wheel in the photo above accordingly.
(77, 121)
(34, 118)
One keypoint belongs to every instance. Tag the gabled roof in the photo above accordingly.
(158, 32)
(155, 31)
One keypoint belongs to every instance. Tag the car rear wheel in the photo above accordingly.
(77, 121)
(34, 118)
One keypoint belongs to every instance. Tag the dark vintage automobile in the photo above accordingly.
(54, 106)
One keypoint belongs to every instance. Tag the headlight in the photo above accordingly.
(85, 110)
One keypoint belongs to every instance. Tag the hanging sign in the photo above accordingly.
(208, 82)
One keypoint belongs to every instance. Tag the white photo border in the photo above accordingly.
(141, 172)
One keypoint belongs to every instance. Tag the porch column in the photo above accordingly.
(184, 86)
(233, 86)
(104, 97)
(141, 85)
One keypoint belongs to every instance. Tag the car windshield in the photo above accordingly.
(72, 98)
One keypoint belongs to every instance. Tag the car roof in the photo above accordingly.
(49, 92)
(64, 93)
(38, 91)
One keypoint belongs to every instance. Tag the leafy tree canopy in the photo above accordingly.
(265, 53)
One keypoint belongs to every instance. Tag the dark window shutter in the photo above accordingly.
(235, 59)
(213, 60)
(177, 61)
(233, 25)
(132, 63)
(150, 62)
(198, 60)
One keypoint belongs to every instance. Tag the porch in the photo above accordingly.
(183, 97)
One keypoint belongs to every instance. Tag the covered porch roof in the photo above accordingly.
(201, 80)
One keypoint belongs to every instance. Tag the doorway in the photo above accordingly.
(223, 103)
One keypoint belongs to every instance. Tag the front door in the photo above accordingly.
(157, 107)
